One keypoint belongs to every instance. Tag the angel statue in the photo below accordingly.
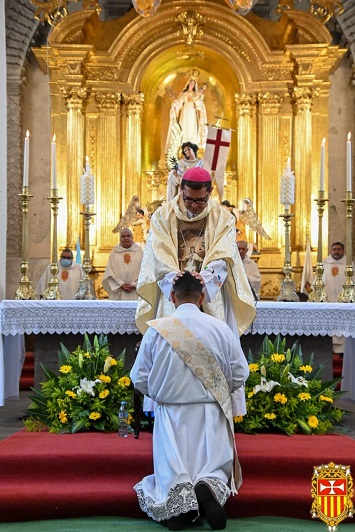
(129, 216)
(247, 216)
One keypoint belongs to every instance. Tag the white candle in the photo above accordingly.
(322, 163)
(348, 164)
(54, 164)
(26, 159)
(87, 165)
(87, 185)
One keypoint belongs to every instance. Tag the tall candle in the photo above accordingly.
(87, 165)
(87, 185)
(348, 164)
(54, 164)
(26, 159)
(322, 163)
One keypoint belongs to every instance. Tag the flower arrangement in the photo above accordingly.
(87, 393)
(285, 394)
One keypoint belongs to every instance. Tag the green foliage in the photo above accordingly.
(87, 393)
(285, 394)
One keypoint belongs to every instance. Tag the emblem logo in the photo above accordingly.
(332, 491)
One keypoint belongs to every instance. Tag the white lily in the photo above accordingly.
(301, 381)
(87, 386)
(265, 386)
(107, 364)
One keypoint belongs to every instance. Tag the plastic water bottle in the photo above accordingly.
(123, 420)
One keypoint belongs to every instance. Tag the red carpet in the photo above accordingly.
(45, 476)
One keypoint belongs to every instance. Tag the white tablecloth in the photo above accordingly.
(117, 317)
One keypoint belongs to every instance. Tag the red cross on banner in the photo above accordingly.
(216, 154)
(217, 142)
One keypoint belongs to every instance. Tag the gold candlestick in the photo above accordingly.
(288, 292)
(52, 291)
(84, 291)
(347, 295)
(318, 294)
(25, 290)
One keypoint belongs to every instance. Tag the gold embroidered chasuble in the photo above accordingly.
(161, 256)
(206, 369)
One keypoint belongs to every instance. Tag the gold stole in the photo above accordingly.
(204, 366)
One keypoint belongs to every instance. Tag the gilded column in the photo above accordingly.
(109, 193)
(269, 164)
(246, 145)
(132, 148)
(75, 157)
(302, 152)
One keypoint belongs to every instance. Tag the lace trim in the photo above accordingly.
(181, 499)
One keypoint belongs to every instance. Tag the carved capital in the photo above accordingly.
(303, 98)
(245, 103)
(134, 103)
(74, 98)
(270, 103)
(107, 101)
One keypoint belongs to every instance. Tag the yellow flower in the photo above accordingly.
(276, 357)
(306, 369)
(113, 361)
(94, 415)
(270, 416)
(103, 394)
(250, 394)
(313, 422)
(325, 398)
(65, 369)
(63, 416)
(129, 419)
(71, 394)
(124, 381)
(104, 378)
(253, 368)
(87, 354)
(304, 396)
(280, 398)
(238, 419)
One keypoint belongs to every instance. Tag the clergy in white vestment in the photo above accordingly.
(250, 266)
(122, 271)
(194, 233)
(334, 278)
(69, 276)
(190, 363)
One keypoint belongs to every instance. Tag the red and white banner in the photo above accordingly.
(216, 154)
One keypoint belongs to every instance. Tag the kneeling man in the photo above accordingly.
(189, 363)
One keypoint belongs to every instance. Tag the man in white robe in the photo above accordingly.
(193, 440)
(250, 266)
(69, 276)
(334, 278)
(122, 271)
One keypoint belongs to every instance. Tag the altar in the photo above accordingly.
(66, 321)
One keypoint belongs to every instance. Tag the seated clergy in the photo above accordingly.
(69, 275)
(122, 271)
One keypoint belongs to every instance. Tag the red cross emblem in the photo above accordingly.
(218, 143)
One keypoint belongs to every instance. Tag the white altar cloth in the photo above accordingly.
(117, 317)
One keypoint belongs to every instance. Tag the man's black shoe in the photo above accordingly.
(215, 514)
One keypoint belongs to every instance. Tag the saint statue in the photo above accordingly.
(188, 117)
(189, 160)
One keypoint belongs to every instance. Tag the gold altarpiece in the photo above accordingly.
(110, 84)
